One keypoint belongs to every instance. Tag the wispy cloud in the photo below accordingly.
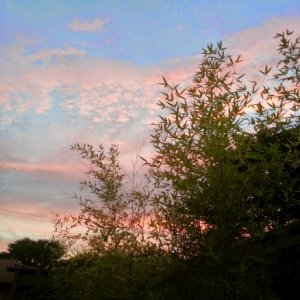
(257, 45)
(62, 169)
(92, 26)
(54, 52)
(16, 224)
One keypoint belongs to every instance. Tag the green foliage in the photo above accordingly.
(212, 220)
(41, 253)
(5, 254)
(219, 166)
(35, 260)
(112, 217)
(112, 276)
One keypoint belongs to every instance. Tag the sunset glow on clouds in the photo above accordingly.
(80, 72)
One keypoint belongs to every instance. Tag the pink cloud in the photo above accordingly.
(99, 92)
(59, 169)
(257, 45)
(54, 52)
(20, 220)
(92, 26)
(15, 225)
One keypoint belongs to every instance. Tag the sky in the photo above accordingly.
(87, 71)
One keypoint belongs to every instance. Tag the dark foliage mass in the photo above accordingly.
(217, 215)
(42, 253)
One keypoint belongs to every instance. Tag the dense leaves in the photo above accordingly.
(41, 253)
(218, 215)
(219, 166)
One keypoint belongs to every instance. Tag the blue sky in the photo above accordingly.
(140, 32)
(87, 72)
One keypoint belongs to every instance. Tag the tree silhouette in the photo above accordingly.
(220, 207)
(41, 253)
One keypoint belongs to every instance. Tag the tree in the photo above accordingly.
(113, 215)
(270, 167)
(224, 175)
(110, 227)
(4, 254)
(205, 137)
(222, 181)
(41, 253)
